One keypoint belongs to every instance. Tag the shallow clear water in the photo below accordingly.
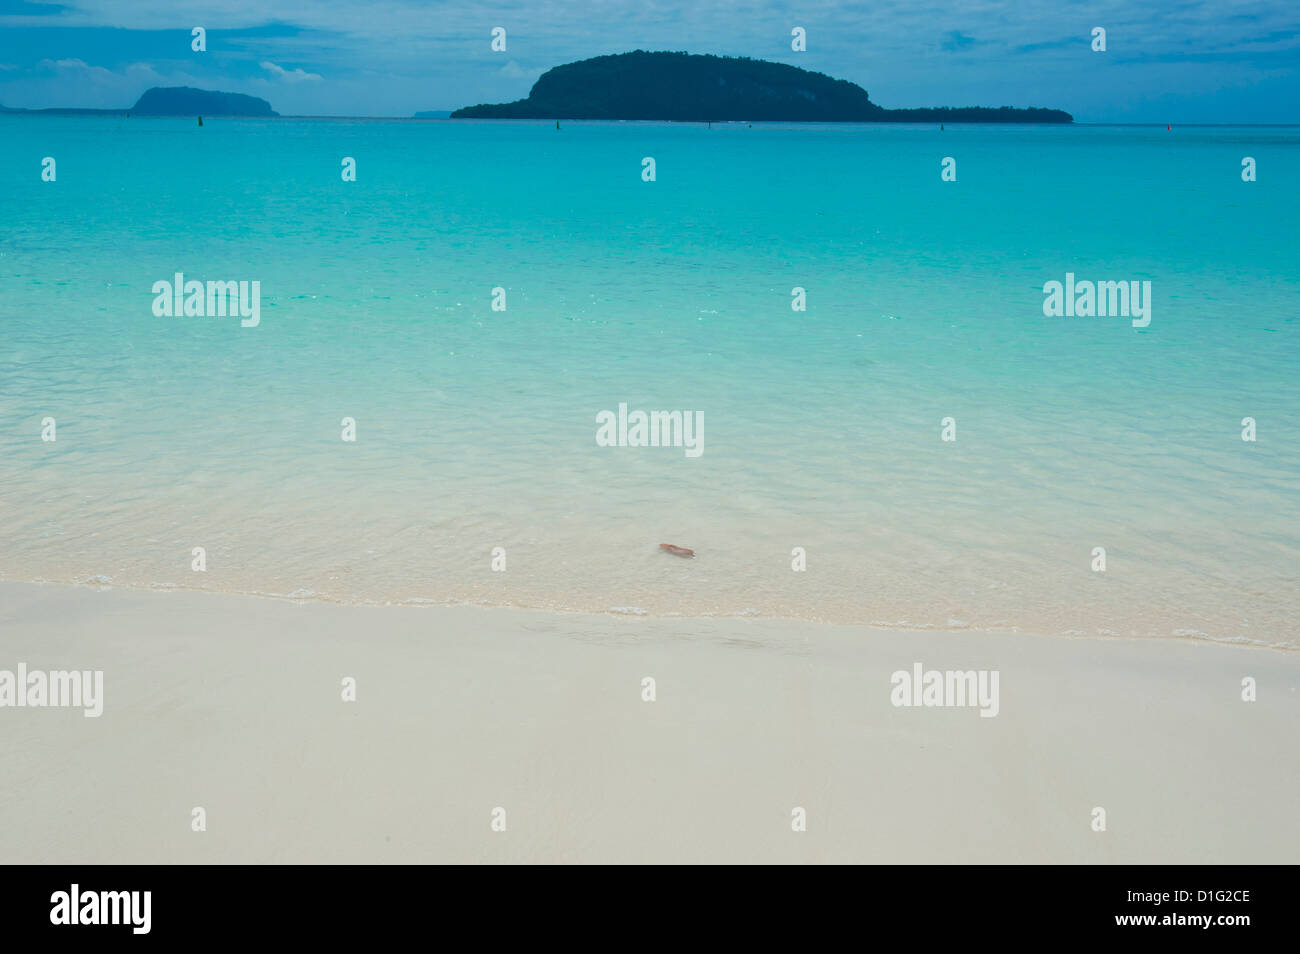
(476, 428)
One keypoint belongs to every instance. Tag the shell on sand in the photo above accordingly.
(676, 550)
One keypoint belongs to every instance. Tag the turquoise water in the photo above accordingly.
(476, 428)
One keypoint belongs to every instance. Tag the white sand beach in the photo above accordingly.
(233, 704)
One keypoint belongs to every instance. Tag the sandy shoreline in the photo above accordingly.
(233, 704)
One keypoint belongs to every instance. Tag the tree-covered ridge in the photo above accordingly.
(188, 101)
(688, 87)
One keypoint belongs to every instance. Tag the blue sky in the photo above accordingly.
(1166, 60)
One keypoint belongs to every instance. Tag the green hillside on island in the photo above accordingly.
(689, 87)
(171, 101)
(188, 101)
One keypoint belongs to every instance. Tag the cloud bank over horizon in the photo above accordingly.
(1225, 61)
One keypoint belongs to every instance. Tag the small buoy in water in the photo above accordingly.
(200, 120)
(941, 127)
(557, 124)
(676, 551)
(1168, 128)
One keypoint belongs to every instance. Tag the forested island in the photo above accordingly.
(689, 87)
(188, 101)
(172, 101)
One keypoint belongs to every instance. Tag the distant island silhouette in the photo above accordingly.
(187, 101)
(690, 87)
(173, 101)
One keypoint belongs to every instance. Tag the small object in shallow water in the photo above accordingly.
(200, 120)
(677, 551)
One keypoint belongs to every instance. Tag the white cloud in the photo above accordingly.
(513, 70)
(78, 69)
(74, 82)
(66, 65)
(298, 75)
